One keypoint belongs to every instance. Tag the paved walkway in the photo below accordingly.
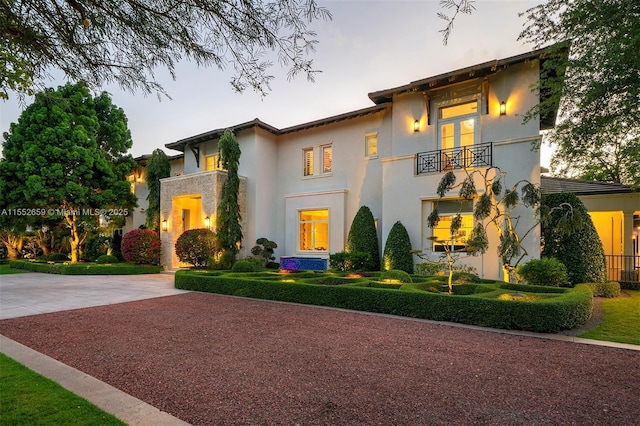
(35, 293)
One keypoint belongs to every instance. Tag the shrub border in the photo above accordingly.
(569, 310)
(85, 268)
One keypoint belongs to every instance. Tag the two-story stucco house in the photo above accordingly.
(301, 186)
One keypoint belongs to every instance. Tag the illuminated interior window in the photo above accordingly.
(371, 145)
(447, 211)
(327, 154)
(314, 230)
(213, 162)
(458, 129)
(308, 161)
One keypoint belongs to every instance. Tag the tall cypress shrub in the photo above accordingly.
(568, 235)
(157, 168)
(397, 250)
(228, 227)
(364, 238)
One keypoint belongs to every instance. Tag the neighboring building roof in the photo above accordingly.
(142, 160)
(553, 185)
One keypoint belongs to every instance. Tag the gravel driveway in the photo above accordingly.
(216, 360)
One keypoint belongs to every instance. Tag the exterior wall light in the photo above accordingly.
(503, 108)
(416, 126)
(164, 225)
(207, 222)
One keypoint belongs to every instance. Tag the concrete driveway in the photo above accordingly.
(33, 293)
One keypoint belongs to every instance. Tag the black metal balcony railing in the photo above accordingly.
(444, 160)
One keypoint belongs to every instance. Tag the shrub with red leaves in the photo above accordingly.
(197, 247)
(141, 246)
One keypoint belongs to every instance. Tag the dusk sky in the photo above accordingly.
(368, 46)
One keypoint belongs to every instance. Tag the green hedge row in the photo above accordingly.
(85, 268)
(566, 311)
(607, 289)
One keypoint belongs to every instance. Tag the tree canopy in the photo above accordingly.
(598, 132)
(126, 42)
(66, 157)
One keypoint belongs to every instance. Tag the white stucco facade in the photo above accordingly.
(368, 157)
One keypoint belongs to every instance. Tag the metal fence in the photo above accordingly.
(444, 160)
(623, 268)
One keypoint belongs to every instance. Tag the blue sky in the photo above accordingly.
(368, 46)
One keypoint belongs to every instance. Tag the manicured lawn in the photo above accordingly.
(621, 321)
(4, 270)
(27, 398)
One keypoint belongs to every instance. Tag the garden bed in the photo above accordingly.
(479, 304)
(88, 268)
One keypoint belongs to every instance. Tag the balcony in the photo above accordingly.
(445, 160)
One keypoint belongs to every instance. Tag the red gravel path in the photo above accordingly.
(215, 360)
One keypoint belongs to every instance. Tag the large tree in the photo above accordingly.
(66, 156)
(598, 132)
(158, 167)
(126, 42)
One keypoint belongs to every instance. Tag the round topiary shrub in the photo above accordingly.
(141, 246)
(106, 258)
(397, 250)
(568, 235)
(57, 257)
(396, 275)
(363, 237)
(545, 271)
(197, 247)
(243, 266)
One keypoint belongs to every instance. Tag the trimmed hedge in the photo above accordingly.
(85, 268)
(608, 289)
(569, 310)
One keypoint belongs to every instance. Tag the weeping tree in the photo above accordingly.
(228, 227)
(495, 206)
(157, 168)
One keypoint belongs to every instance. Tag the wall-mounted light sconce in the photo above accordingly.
(207, 222)
(164, 225)
(503, 108)
(416, 126)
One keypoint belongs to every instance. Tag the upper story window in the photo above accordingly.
(371, 145)
(308, 161)
(458, 129)
(325, 153)
(212, 162)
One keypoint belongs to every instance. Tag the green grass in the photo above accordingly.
(27, 398)
(621, 321)
(5, 270)
(88, 268)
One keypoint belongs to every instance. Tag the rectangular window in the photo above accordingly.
(314, 230)
(371, 145)
(448, 210)
(327, 153)
(308, 161)
(212, 162)
(458, 133)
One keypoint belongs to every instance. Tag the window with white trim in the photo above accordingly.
(307, 155)
(327, 158)
(324, 154)
(448, 210)
(313, 228)
(458, 129)
(371, 145)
